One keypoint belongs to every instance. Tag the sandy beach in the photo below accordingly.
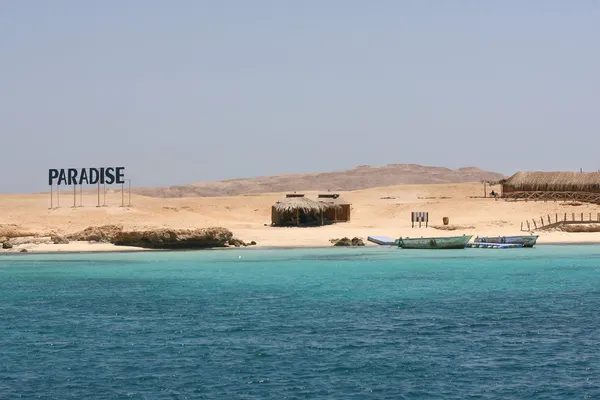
(379, 211)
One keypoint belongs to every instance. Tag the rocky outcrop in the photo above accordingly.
(348, 242)
(237, 242)
(7, 245)
(104, 233)
(174, 238)
(57, 239)
(18, 241)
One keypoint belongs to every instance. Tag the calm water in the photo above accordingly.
(372, 323)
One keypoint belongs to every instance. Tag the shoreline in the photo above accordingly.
(120, 250)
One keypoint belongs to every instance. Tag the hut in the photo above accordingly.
(297, 210)
(338, 210)
(575, 186)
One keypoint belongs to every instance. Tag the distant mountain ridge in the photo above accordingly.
(362, 177)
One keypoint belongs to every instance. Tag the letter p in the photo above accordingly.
(52, 175)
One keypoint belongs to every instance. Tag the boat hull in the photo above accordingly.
(439, 243)
(526, 241)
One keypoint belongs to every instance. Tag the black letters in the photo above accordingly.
(120, 175)
(110, 177)
(86, 176)
(94, 176)
(52, 174)
(83, 178)
(61, 177)
(72, 176)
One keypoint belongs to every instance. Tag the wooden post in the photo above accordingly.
(534, 224)
(335, 215)
(528, 227)
(298, 217)
(542, 219)
(581, 217)
(573, 216)
(521, 225)
(556, 217)
(484, 189)
(549, 221)
(565, 218)
(321, 217)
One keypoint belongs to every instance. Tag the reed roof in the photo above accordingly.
(556, 181)
(299, 203)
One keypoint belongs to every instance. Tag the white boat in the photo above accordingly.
(526, 241)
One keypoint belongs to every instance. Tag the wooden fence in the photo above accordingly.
(546, 221)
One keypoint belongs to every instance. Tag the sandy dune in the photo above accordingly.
(378, 211)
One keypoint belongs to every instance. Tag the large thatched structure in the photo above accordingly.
(581, 186)
(338, 209)
(297, 210)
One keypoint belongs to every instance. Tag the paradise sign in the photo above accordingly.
(86, 176)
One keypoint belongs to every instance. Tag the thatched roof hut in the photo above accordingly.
(338, 209)
(298, 203)
(553, 182)
(297, 210)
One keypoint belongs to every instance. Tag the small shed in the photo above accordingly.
(338, 209)
(297, 210)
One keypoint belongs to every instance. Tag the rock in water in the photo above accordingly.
(175, 238)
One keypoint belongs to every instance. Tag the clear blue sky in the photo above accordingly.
(185, 91)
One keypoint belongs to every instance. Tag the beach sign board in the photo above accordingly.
(420, 217)
(86, 176)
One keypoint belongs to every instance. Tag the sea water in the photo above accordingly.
(360, 323)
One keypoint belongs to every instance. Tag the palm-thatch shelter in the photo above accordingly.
(297, 210)
(338, 209)
(580, 186)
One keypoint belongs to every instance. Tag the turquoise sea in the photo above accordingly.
(360, 323)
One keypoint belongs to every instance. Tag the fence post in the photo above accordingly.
(542, 219)
(581, 217)
(556, 218)
(528, 227)
(521, 225)
(534, 224)
(549, 221)
(573, 216)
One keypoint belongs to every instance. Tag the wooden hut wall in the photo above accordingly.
(275, 217)
(343, 215)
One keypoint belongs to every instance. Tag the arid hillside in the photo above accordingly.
(363, 177)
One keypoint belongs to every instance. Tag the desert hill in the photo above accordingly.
(363, 177)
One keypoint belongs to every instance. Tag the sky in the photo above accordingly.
(189, 90)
